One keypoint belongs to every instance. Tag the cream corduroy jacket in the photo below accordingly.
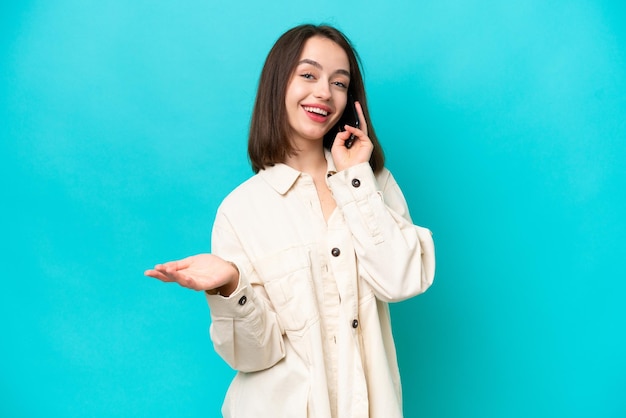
(272, 328)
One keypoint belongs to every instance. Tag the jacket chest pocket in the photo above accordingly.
(288, 282)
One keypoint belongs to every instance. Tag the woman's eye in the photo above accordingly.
(341, 84)
(308, 76)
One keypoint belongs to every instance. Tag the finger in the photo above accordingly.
(340, 138)
(175, 277)
(157, 275)
(358, 133)
(176, 265)
(183, 280)
(362, 122)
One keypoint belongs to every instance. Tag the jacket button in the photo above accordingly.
(242, 300)
(335, 252)
(355, 323)
(356, 182)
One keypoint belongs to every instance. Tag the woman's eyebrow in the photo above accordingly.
(318, 65)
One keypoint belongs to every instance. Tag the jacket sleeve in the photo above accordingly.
(244, 329)
(394, 256)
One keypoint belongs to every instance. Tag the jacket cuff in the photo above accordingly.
(239, 304)
(356, 183)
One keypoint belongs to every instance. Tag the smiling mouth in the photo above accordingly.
(316, 110)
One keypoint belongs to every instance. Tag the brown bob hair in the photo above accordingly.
(268, 141)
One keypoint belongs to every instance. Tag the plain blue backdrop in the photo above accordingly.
(124, 124)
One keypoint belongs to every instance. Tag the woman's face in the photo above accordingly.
(318, 90)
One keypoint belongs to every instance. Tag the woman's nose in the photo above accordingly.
(322, 90)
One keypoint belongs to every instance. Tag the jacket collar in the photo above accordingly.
(282, 177)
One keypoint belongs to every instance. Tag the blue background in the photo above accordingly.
(124, 124)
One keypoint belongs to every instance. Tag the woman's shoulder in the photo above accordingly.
(244, 192)
(383, 173)
(274, 180)
(384, 177)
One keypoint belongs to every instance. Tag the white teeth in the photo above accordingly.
(316, 110)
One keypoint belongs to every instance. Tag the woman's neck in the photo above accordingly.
(310, 160)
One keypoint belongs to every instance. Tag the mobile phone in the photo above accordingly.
(350, 117)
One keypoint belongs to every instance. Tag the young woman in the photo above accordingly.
(307, 254)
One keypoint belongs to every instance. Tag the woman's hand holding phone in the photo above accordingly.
(352, 146)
